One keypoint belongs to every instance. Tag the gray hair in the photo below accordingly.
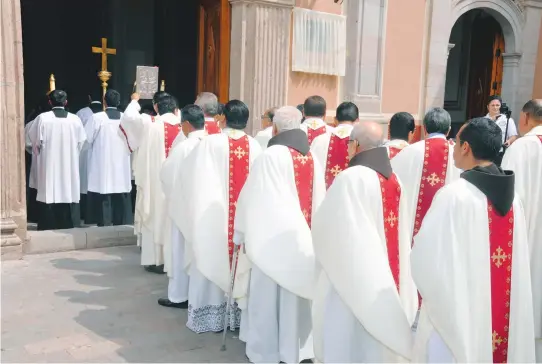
(208, 103)
(437, 120)
(287, 118)
(534, 109)
(368, 134)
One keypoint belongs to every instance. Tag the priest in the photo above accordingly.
(401, 131)
(193, 126)
(209, 104)
(266, 133)
(109, 175)
(314, 110)
(272, 220)
(524, 157)
(57, 137)
(211, 179)
(470, 262)
(426, 166)
(365, 302)
(331, 149)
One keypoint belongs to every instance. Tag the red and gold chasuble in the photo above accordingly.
(238, 172)
(435, 163)
(337, 158)
(501, 233)
(211, 127)
(313, 133)
(303, 174)
(393, 151)
(170, 133)
(391, 194)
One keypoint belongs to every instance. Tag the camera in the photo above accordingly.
(505, 110)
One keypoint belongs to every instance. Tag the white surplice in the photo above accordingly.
(278, 245)
(358, 314)
(263, 136)
(57, 142)
(451, 267)
(84, 114)
(109, 162)
(33, 177)
(155, 228)
(408, 166)
(320, 144)
(203, 216)
(315, 123)
(524, 157)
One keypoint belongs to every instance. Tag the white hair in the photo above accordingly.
(287, 118)
(208, 103)
(368, 134)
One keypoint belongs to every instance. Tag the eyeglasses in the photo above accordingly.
(263, 117)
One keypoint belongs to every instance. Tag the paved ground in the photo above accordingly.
(97, 306)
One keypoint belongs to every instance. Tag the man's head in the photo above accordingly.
(267, 117)
(478, 142)
(347, 112)
(236, 113)
(58, 98)
(167, 104)
(314, 107)
(364, 136)
(208, 103)
(402, 126)
(437, 120)
(286, 118)
(219, 117)
(531, 116)
(156, 99)
(112, 98)
(192, 119)
(494, 105)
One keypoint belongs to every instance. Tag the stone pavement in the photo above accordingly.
(97, 306)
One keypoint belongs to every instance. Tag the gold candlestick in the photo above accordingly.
(163, 86)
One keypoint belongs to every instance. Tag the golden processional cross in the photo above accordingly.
(104, 74)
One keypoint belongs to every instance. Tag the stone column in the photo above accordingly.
(260, 50)
(12, 172)
(510, 76)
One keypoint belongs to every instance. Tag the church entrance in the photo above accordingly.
(475, 66)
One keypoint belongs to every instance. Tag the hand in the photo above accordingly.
(510, 140)
(135, 96)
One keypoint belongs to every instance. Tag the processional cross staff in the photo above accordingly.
(104, 74)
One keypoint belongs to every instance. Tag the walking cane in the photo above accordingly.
(229, 299)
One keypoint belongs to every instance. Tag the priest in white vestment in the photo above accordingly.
(210, 105)
(314, 111)
(470, 262)
(57, 137)
(266, 133)
(366, 301)
(524, 158)
(401, 128)
(109, 172)
(331, 149)
(426, 166)
(273, 217)
(153, 151)
(211, 178)
(193, 126)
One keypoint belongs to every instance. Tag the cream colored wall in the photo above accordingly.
(537, 87)
(302, 85)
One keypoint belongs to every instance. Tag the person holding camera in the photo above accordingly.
(500, 113)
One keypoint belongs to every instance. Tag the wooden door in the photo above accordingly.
(214, 48)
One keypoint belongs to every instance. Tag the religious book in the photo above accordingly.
(146, 81)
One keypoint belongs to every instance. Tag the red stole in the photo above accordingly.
(540, 137)
(170, 133)
(211, 127)
(238, 171)
(391, 194)
(126, 137)
(435, 162)
(337, 158)
(501, 233)
(393, 151)
(313, 133)
(303, 172)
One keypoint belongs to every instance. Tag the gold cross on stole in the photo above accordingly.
(104, 52)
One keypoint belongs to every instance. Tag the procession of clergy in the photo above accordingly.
(319, 242)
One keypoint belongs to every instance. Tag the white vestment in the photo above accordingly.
(451, 267)
(263, 136)
(314, 124)
(397, 144)
(524, 157)
(203, 216)
(408, 166)
(109, 162)
(84, 114)
(278, 244)
(320, 144)
(57, 142)
(358, 314)
(33, 177)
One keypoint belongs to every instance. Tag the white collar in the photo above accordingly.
(57, 107)
(169, 118)
(537, 130)
(196, 134)
(397, 143)
(436, 135)
(233, 133)
(111, 107)
(314, 123)
(208, 118)
(343, 130)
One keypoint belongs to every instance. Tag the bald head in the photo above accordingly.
(368, 134)
(534, 109)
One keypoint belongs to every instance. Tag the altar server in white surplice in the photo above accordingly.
(314, 110)
(57, 137)
(524, 157)
(426, 166)
(331, 149)
(211, 178)
(266, 133)
(365, 301)
(470, 262)
(273, 217)
(193, 126)
(109, 175)
(401, 131)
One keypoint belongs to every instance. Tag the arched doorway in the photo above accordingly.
(475, 66)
